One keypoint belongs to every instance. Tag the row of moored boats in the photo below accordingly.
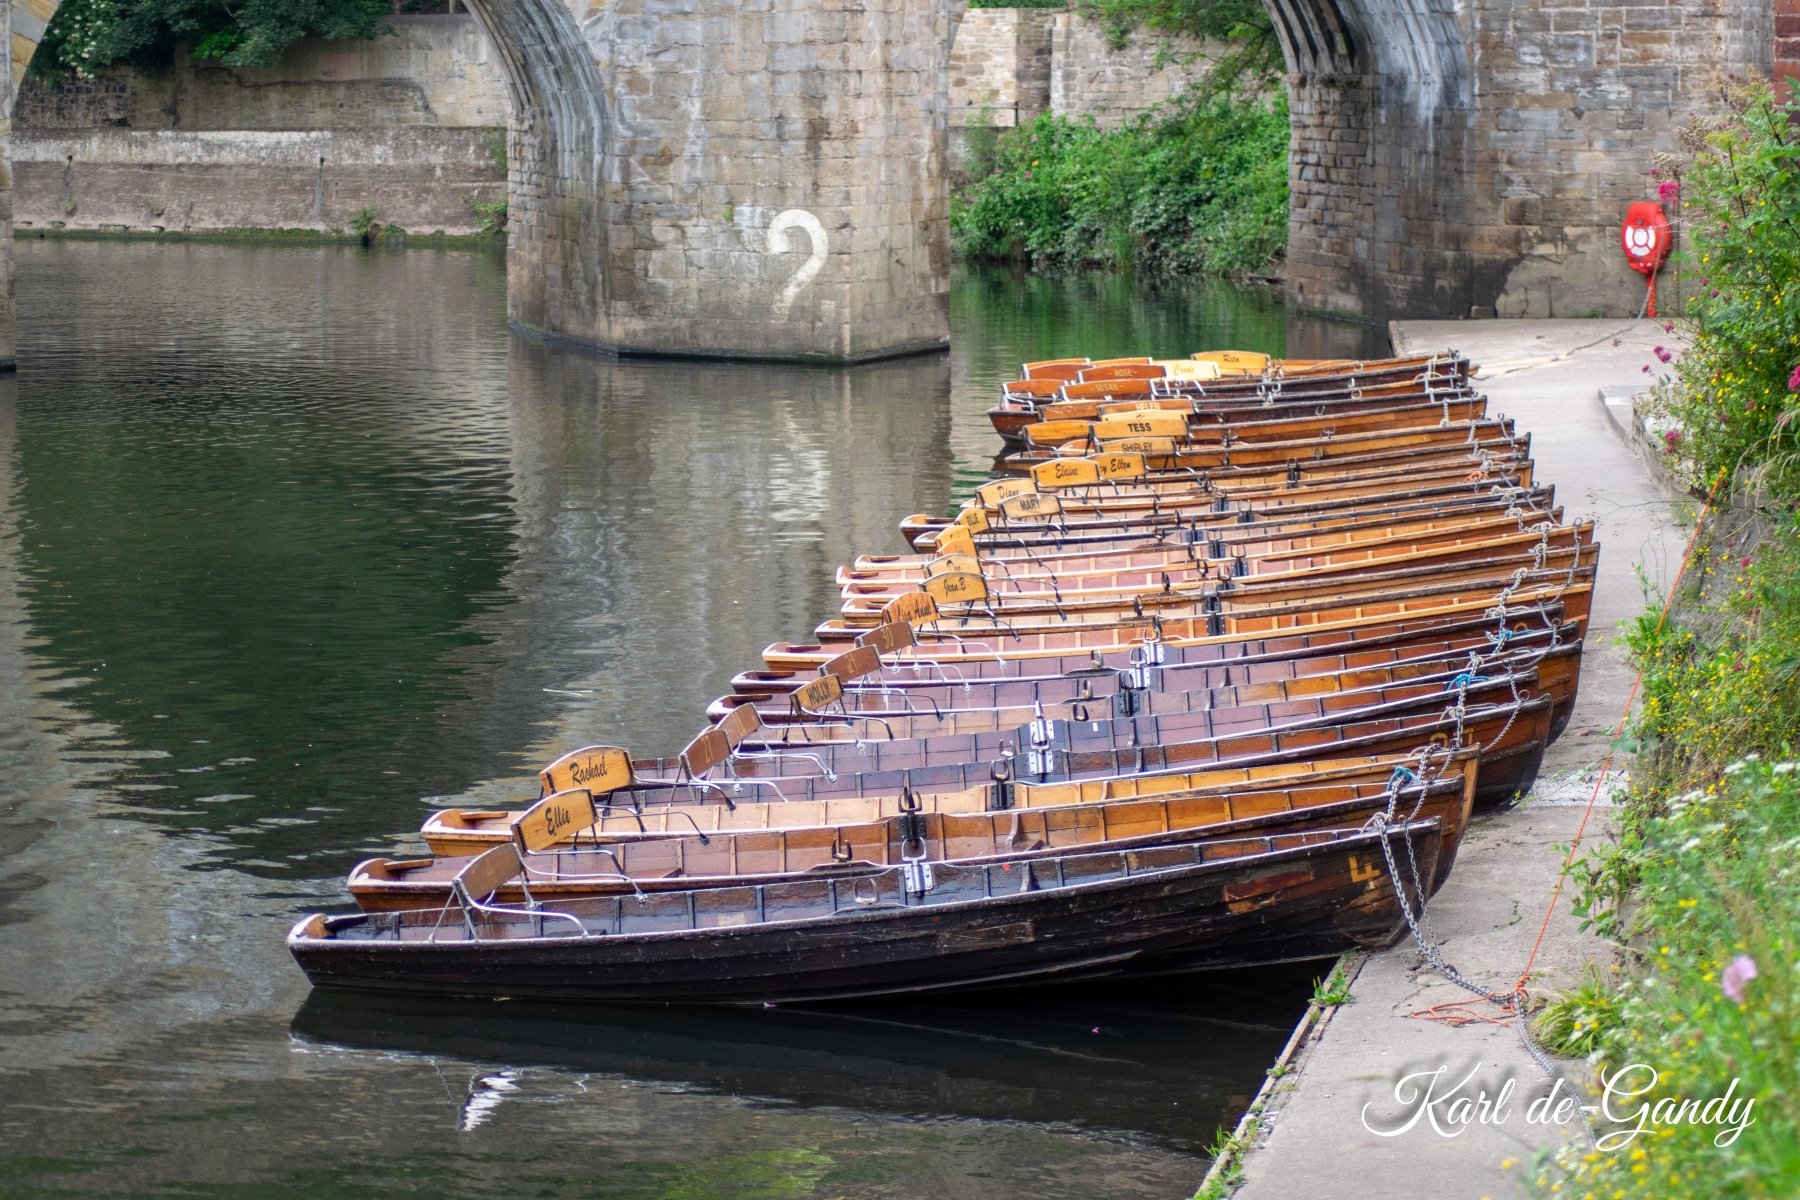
(1212, 675)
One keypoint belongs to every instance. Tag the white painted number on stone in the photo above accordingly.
(797, 218)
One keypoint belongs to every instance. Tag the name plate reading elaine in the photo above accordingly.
(597, 769)
(1066, 473)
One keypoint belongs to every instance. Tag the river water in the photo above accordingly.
(297, 544)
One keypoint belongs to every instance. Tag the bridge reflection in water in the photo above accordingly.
(296, 543)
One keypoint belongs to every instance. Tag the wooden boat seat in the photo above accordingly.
(722, 745)
(472, 890)
(1145, 370)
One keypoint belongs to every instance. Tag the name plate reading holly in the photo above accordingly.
(957, 587)
(555, 818)
(989, 495)
(1030, 506)
(1065, 473)
(597, 769)
(826, 689)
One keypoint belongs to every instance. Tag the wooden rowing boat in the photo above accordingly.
(1164, 909)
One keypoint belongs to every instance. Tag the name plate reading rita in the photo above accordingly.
(591, 768)
(1066, 473)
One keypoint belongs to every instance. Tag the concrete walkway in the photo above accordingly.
(1355, 1073)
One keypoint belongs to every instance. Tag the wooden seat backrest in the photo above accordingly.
(1037, 389)
(705, 752)
(738, 724)
(1122, 371)
(953, 562)
(975, 520)
(1054, 433)
(1100, 389)
(890, 637)
(1031, 506)
(1237, 362)
(1065, 473)
(555, 818)
(1141, 424)
(865, 659)
(957, 587)
(913, 608)
(1188, 370)
(1061, 368)
(1120, 466)
(485, 874)
(815, 695)
(989, 495)
(954, 540)
(1120, 362)
(596, 769)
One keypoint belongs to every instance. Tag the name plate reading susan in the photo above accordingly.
(597, 769)
(1066, 473)
(989, 495)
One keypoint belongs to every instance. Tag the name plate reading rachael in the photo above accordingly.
(593, 769)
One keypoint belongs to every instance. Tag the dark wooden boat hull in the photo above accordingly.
(1160, 910)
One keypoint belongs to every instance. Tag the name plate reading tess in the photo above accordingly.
(826, 689)
(597, 769)
(1142, 424)
(914, 608)
(975, 520)
(1055, 433)
(553, 819)
(957, 587)
(1065, 473)
(1030, 505)
(954, 541)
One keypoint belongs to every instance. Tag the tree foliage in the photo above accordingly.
(88, 35)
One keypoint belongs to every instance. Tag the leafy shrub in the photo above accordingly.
(1197, 186)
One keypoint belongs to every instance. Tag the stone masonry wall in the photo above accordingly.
(1088, 77)
(1000, 66)
(1787, 44)
(1474, 157)
(410, 124)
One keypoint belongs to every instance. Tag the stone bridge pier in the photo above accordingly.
(1474, 157)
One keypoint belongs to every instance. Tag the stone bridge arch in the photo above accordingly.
(715, 177)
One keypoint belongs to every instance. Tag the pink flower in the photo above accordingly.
(1671, 439)
(1663, 354)
(1669, 328)
(1738, 972)
(1743, 562)
(1646, 368)
(1655, 174)
(1715, 294)
(1794, 380)
(1666, 190)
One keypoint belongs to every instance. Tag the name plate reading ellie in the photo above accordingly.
(597, 769)
(555, 818)
(975, 520)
